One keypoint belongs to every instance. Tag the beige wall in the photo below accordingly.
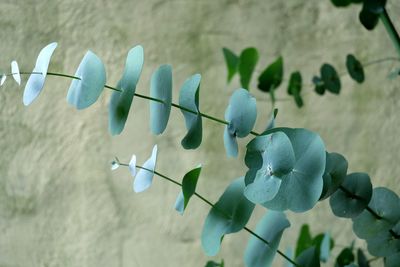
(60, 205)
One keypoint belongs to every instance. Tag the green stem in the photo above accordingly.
(213, 206)
(394, 36)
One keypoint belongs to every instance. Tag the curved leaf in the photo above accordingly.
(92, 77)
(271, 123)
(301, 186)
(355, 68)
(361, 259)
(353, 198)
(319, 85)
(247, 63)
(270, 228)
(294, 88)
(335, 173)
(120, 102)
(325, 248)
(160, 88)
(272, 76)
(144, 177)
(15, 72)
(229, 215)
(341, 3)
(189, 183)
(189, 99)
(330, 78)
(3, 79)
(384, 203)
(393, 260)
(383, 245)
(241, 114)
(304, 240)
(345, 258)
(368, 19)
(35, 83)
(232, 62)
(309, 258)
(132, 166)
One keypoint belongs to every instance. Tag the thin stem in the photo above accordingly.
(394, 36)
(213, 206)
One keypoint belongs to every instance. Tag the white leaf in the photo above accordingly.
(114, 165)
(144, 177)
(3, 79)
(132, 165)
(15, 72)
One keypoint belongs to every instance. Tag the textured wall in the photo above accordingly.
(60, 205)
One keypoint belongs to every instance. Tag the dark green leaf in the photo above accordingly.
(375, 6)
(319, 85)
(189, 183)
(215, 264)
(341, 3)
(84, 92)
(355, 68)
(335, 173)
(294, 88)
(247, 63)
(270, 228)
(229, 215)
(272, 76)
(232, 62)
(385, 203)
(393, 260)
(330, 78)
(361, 259)
(241, 114)
(304, 241)
(160, 88)
(345, 257)
(120, 102)
(309, 258)
(368, 19)
(353, 197)
(189, 99)
(383, 244)
(325, 247)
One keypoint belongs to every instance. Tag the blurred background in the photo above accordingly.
(60, 204)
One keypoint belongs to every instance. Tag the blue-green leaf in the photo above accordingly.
(384, 203)
(302, 182)
(229, 215)
(132, 166)
(247, 63)
(215, 264)
(325, 248)
(353, 198)
(189, 99)
(92, 77)
(270, 228)
(120, 102)
(271, 123)
(232, 62)
(383, 244)
(241, 114)
(272, 76)
(330, 78)
(392, 260)
(309, 258)
(160, 88)
(361, 259)
(144, 177)
(189, 183)
(35, 83)
(355, 68)
(335, 173)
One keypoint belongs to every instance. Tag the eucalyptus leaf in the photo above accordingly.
(189, 183)
(271, 123)
(294, 88)
(36, 80)
(300, 170)
(330, 78)
(368, 19)
(247, 63)
(3, 79)
(15, 72)
(272, 76)
(386, 204)
(334, 175)
(309, 258)
(160, 88)
(189, 99)
(383, 245)
(304, 240)
(392, 260)
(85, 91)
(354, 196)
(120, 102)
(341, 3)
(132, 166)
(325, 248)
(229, 215)
(144, 177)
(319, 85)
(375, 6)
(355, 68)
(232, 62)
(241, 115)
(345, 258)
(361, 259)
(270, 228)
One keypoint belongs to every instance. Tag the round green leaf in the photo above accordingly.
(232, 62)
(229, 215)
(160, 88)
(92, 77)
(120, 102)
(330, 78)
(319, 85)
(383, 245)
(355, 68)
(270, 228)
(302, 183)
(272, 76)
(230, 144)
(263, 187)
(368, 19)
(189, 99)
(353, 197)
(247, 63)
(393, 260)
(386, 204)
(35, 83)
(335, 173)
